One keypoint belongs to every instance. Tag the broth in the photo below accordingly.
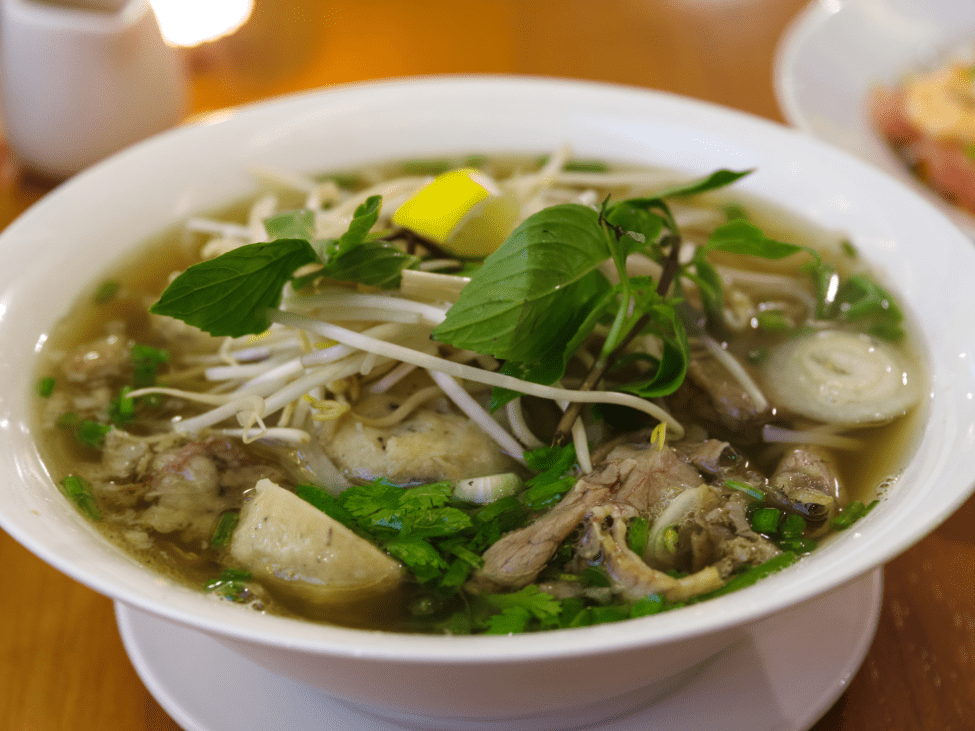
(575, 576)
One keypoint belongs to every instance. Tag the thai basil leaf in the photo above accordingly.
(741, 237)
(861, 299)
(717, 179)
(533, 293)
(709, 286)
(669, 374)
(551, 366)
(363, 220)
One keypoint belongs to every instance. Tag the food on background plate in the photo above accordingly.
(579, 393)
(928, 118)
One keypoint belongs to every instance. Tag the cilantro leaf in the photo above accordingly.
(230, 295)
(422, 558)
(520, 607)
(509, 621)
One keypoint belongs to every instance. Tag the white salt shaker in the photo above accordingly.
(82, 79)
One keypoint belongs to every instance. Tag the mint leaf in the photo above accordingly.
(363, 220)
(356, 257)
(230, 295)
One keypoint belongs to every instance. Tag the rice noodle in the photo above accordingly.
(516, 417)
(778, 434)
(380, 307)
(458, 370)
(278, 434)
(456, 393)
(407, 407)
(737, 371)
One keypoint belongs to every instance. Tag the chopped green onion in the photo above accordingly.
(637, 534)
(753, 492)
(225, 529)
(752, 575)
(122, 408)
(230, 584)
(45, 387)
(849, 515)
(593, 576)
(766, 520)
(146, 361)
(457, 573)
(78, 490)
(734, 211)
(106, 291)
(346, 180)
(92, 433)
(798, 545)
(68, 420)
(757, 356)
(651, 604)
(772, 321)
(427, 167)
(585, 166)
(793, 526)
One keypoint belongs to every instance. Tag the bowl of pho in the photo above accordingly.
(476, 400)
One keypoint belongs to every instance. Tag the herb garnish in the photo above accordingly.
(537, 298)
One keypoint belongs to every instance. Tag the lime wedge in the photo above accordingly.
(463, 211)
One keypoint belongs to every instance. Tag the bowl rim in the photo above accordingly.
(747, 605)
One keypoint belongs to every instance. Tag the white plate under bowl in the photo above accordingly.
(836, 51)
(51, 254)
(787, 678)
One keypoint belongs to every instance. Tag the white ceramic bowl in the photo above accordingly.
(836, 51)
(548, 680)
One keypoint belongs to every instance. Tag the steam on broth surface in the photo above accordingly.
(392, 443)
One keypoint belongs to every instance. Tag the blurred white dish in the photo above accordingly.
(836, 51)
(61, 245)
(185, 670)
(81, 81)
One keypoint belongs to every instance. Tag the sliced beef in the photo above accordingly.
(632, 578)
(516, 559)
(808, 481)
(642, 477)
(732, 404)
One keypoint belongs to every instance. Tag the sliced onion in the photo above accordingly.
(842, 378)
(487, 489)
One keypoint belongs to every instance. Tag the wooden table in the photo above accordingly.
(62, 664)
